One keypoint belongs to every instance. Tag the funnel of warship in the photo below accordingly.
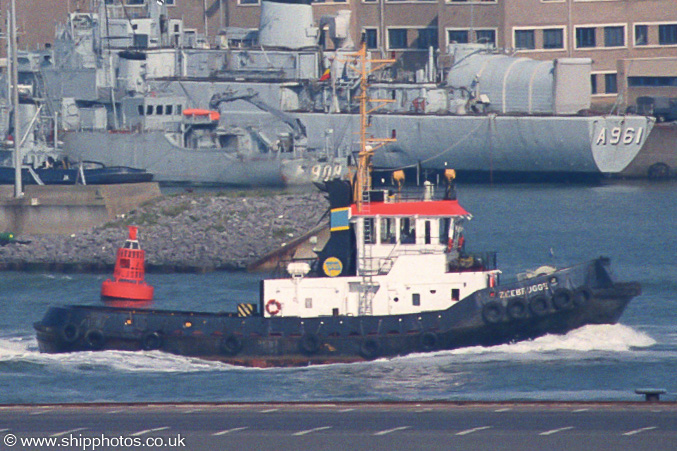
(288, 110)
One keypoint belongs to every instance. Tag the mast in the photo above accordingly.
(368, 144)
(15, 102)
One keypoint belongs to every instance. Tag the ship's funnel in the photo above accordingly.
(288, 25)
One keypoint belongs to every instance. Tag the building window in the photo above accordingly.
(457, 36)
(371, 38)
(486, 37)
(654, 82)
(610, 84)
(641, 34)
(136, 2)
(585, 37)
(427, 37)
(614, 36)
(397, 38)
(168, 109)
(593, 83)
(248, 2)
(553, 38)
(524, 39)
(667, 34)
(158, 110)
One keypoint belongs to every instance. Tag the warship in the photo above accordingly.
(287, 106)
(394, 278)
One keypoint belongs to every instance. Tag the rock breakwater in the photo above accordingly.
(187, 232)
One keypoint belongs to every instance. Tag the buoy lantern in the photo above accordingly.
(129, 273)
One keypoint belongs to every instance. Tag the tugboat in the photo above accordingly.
(394, 278)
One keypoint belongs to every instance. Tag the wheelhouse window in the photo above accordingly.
(444, 230)
(407, 231)
(388, 231)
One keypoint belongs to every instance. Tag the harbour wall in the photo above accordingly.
(190, 232)
(67, 209)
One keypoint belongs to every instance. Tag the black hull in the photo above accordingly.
(524, 310)
(95, 176)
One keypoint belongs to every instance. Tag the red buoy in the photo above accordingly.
(129, 273)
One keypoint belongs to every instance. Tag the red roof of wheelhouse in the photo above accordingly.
(422, 208)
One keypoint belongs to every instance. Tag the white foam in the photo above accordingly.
(25, 349)
(606, 337)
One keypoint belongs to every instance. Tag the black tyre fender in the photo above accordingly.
(429, 341)
(95, 339)
(369, 349)
(151, 341)
(562, 299)
(658, 171)
(309, 344)
(230, 345)
(517, 308)
(493, 312)
(581, 296)
(70, 333)
(539, 306)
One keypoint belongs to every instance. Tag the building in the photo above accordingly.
(632, 43)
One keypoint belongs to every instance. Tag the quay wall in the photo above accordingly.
(192, 232)
(63, 210)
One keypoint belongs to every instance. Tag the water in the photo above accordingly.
(633, 223)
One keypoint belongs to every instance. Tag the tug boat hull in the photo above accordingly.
(548, 304)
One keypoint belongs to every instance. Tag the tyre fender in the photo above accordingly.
(493, 312)
(95, 339)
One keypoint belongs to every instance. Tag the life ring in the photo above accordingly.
(273, 307)
(151, 341)
(492, 312)
(539, 306)
(309, 344)
(562, 299)
(370, 348)
(581, 296)
(429, 341)
(70, 333)
(517, 308)
(231, 345)
(95, 340)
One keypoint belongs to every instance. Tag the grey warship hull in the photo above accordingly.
(577, 145)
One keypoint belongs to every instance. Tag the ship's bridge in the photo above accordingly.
(390, 226)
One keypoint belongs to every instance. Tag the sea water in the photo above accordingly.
(529, 226)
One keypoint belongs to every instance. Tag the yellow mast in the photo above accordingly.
(367, 144)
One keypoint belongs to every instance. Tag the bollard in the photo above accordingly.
(651, 394)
